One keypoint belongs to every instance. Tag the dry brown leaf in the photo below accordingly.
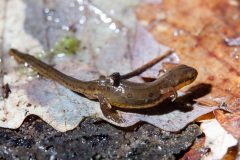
(198, 31)
(217, 139)
(107, 38)
(197, 151)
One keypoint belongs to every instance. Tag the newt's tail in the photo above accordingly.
(18, 56)
(49, 72)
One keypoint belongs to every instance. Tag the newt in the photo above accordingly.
(115, 90)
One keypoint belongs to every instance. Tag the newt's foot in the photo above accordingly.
(115, 79)
(174, 95)
(112, 115)
(108, 111)
(171, 92)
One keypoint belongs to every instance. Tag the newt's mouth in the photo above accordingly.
(190, 75)
(183, 84)
(187, 82)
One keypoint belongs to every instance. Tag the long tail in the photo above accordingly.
(49, 72)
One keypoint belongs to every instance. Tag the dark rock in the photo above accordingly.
(37, 140)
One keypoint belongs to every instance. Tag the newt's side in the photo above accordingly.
(126, 95)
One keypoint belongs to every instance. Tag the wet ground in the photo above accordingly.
(94, 139)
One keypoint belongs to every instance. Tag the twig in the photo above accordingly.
(147, 65)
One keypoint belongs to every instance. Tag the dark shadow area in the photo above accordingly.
(132, 128)
(183, 103)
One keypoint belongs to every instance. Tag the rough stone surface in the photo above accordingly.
(93, 139)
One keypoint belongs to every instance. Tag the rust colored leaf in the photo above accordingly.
(231, 122)
(111, 41)
(198, 30)
(196, 151)
(231, 154)
(217, 139)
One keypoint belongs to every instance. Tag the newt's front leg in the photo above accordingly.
(170, 90)
(108, 111)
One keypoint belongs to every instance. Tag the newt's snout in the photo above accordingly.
(184, 75)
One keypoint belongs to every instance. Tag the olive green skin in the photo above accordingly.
(146, 95)
(126, 95)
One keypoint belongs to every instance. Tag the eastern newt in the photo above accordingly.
(126, 94)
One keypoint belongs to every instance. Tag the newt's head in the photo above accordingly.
(182, 75)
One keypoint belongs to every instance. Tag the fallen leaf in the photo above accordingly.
(231, 154)
(230, 122)
(196, 151)
(145, 48)
(219, 141)
(233, 41)
(198, 30)
(107, 40)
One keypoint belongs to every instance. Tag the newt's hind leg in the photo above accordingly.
(108, 111)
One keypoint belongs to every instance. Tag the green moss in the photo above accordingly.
(67, 45)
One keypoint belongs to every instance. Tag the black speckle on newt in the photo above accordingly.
(126, 94)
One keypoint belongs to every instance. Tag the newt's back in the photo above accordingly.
(145, 95)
